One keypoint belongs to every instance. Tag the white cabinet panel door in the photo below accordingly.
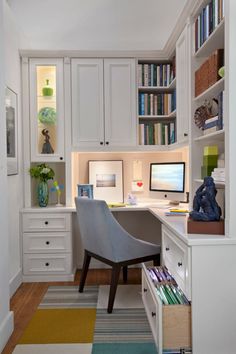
(120, 106)
(87, 103)
(183, 85)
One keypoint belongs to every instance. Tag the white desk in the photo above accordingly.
(209, 269)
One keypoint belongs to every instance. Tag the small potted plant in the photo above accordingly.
(42, 173)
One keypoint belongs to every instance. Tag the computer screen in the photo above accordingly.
(167, 178)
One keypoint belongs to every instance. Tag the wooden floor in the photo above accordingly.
(29, 295)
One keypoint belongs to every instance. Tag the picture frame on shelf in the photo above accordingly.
(85, 191)
(107, 179)
(11, 131)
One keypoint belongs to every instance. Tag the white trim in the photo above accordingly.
(15, 282)
(48, 278)
(6, 329)
(93, 53)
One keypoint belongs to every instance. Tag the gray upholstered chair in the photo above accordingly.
(104, 239)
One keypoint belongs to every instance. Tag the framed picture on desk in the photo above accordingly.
(107, 179)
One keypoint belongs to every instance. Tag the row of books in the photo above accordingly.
(215, 123)
(166, 287)
(156, 133)
(207, 21)
(159, 75)
(157, 104)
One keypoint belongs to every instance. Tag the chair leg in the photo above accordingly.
(86, 263)
(125, 274)
(157, 260)
(114, 282)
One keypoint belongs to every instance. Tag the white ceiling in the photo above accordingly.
(97, 24)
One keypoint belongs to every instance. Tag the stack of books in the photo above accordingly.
(177, 212)
(218, 174)
(156, 104)
(209, 18)
(215, 123)
(156, 133)
(155, 75)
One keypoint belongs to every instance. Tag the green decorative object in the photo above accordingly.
(47, 90)
(43, 173)
(221, 71)
(210, 160)
(47, 115)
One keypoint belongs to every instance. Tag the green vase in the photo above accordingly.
(43, 194)
(47, 90)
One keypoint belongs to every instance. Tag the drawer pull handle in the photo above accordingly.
(47, 242)
(144, 290)
(153, 314)
(101, 143)
(46, 223)
(47, 264)
(180, 264)
(167, 249)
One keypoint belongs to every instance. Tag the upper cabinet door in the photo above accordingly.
(120, 102)
(87, 103)
(46, 110)
(183, 98)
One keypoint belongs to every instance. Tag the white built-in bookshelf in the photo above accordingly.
(156, 103)
(211, 39)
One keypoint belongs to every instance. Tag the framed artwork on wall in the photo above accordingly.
(11, 131)
(107, 179)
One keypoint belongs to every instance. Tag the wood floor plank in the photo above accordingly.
(29, 295)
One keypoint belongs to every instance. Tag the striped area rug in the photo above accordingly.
(70, 322)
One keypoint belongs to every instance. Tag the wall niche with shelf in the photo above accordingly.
(59, 169)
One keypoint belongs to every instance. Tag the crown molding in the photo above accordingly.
(145, 54)
(169, 47)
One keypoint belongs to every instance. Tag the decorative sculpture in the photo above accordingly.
(205, 206)
(57, 188)
(47, 147)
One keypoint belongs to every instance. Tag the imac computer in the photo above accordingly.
(167, 181)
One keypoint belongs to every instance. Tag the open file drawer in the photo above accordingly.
(170, 324)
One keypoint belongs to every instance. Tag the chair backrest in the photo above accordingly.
(100, 232)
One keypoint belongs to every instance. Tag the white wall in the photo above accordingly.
(6, 317)
(15, 182)
(97, 24)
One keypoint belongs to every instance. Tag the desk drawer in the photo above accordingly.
(41, 264)
(44, 222)
(47, 242)
(170, 324)
(176, 256)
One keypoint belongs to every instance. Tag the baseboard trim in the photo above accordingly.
(15, 282)
(6, 329)
(48, 278)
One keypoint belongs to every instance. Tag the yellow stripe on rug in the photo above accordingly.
(60, 326)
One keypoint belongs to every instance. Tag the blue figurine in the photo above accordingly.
(205, 206)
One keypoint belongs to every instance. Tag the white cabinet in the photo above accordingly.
(171, 323)
(46, 110)
(177, 256)
(103, 103)
(47, 246)
(183, 93)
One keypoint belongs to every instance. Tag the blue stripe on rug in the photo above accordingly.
(124, 348)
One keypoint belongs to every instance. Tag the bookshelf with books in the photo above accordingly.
(156, 102)
(208, 83)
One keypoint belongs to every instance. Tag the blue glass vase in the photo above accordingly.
(43, 194)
